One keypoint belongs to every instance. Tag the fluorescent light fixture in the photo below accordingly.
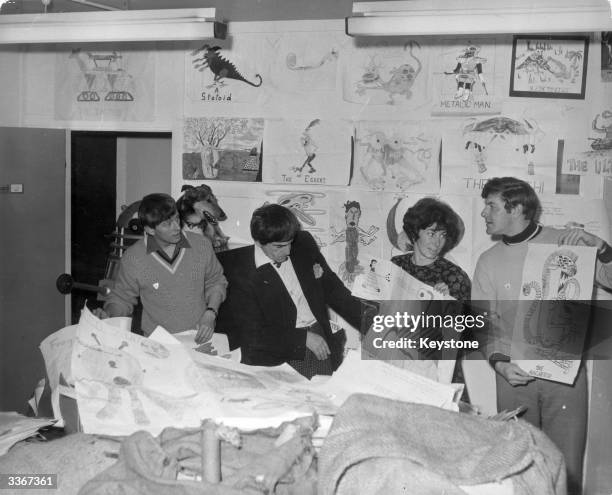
(116, 25)
(470, 17)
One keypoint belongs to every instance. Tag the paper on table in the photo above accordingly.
(15, 427)
(125, 382)
(57, 353)
(382, 379)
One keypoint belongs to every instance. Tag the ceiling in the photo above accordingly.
(228, 10)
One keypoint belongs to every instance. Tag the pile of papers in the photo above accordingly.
(15, 427)
(124, 383)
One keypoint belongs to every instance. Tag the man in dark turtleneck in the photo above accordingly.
(560, 410)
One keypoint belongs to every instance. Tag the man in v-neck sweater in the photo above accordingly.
(176, 275)
(560, 410)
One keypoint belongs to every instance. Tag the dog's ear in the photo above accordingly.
(187, 187)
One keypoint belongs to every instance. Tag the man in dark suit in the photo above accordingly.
(278, 297)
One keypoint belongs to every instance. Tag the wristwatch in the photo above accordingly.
(496, 357)
(213, 310)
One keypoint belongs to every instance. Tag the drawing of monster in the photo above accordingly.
(401, 78)
(523, 136)
(557, 284)
(604, 125)
(374, 170)
(397, 162)
(219, 66)
(394, 158)
(467, 72)
(352, 235)
(310, 148)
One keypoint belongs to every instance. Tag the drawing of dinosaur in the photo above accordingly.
(220, 67)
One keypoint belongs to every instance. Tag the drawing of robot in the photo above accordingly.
(467, 72)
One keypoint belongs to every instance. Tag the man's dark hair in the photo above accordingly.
(156, 208)
(273, 223)
(514, 192)
(428, 211)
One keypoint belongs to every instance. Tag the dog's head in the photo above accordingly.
(203, 200)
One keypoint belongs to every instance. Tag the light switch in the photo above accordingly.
(16, 188)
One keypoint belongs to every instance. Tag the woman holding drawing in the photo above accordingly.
(434, 229)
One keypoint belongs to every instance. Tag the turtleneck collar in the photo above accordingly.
(532, 230)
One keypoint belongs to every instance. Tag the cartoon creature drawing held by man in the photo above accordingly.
(352, 235)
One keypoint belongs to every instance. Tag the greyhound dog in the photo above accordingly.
(198, 207)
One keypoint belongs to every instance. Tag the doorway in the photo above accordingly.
(109, 170)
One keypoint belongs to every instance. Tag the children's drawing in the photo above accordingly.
(352, 235)
(100, 84)
(121, 374)
(126, 382)
(520, 134)
(547, 327)
(328, 57)
(468, 72)
(208, 57)
(312, 151)
(310, 208)
(227, 72)
(395, 157)
(549, 67)
(222, 148)
(303, 66)
(602, 123)
(385, 74)
(495, 147)
(460, 79)
(596, 161)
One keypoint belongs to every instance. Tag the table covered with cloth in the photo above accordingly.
(378, 445)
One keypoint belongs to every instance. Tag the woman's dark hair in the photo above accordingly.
(514, 192)
(429, 211)
(156, 208)
(273, 223)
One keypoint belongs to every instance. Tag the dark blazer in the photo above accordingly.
(258, 313)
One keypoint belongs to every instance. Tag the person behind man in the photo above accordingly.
(278, 297)
(176, 275)
(560, 410)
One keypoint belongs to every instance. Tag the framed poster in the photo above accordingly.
(549, 66)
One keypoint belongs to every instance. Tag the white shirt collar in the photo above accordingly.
(260, 257)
